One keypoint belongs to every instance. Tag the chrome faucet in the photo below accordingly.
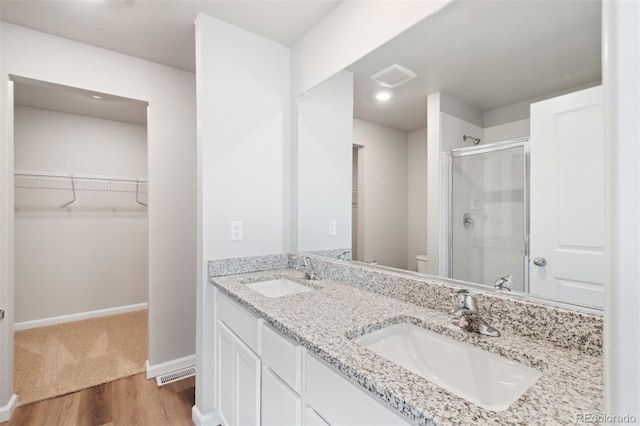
(344, 254)
(308, 269)
(467, 316)
(504, 283)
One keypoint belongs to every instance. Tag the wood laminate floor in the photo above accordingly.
(132, 401)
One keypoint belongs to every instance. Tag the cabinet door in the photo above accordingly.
(281, 406)
(247, 385)
(225, 354)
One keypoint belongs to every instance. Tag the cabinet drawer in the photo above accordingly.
(281, 406)
(341, 402)
(282, 356)
(239, 320)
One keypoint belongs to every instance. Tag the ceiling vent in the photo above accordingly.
(393, 76)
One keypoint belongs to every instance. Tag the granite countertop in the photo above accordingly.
(325, 320)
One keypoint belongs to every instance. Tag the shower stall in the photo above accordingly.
(488, 213)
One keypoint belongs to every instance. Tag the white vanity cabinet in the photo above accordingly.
(264, 378)
(238, 366)
(239, 379)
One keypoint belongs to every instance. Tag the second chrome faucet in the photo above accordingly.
(467, 316)
(307, 267)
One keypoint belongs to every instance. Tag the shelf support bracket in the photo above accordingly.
(73, 189)
(137, 190)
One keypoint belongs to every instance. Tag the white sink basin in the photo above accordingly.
(278, 287)
(483, 378)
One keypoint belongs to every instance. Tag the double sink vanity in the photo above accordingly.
(366, 346)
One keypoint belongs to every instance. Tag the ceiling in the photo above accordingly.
(71, 100)
(162, 31)
(158, 31)
(487, 53)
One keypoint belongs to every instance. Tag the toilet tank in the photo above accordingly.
(421, 260)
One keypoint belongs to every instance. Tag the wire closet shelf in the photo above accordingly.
(45, 190)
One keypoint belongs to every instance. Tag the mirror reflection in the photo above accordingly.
(469, 147)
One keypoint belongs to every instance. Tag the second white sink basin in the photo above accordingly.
(483, 378)
(278, 287)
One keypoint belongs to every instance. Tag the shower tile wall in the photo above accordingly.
(468, 244)
(504, 195)
(489, 188)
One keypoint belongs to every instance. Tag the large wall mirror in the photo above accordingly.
(470, 147)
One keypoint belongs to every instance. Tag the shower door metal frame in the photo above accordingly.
(484, 149)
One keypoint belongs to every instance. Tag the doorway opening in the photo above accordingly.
(81, 238)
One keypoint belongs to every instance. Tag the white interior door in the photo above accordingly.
(567, 198)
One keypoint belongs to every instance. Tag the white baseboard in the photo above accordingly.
(78, 317)
(170, 366)
(7, 410)
(210, 419)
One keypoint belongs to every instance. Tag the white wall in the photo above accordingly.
(347, 33)
(325, 137)
(172, 174)
(73, 261)
(243, 116)
(452, 130)
(417, 196)
(507, 131)
(384, 162)
(433, 184)
(51, 141)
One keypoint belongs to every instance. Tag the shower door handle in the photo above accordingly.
(1, 314)
(540, 261)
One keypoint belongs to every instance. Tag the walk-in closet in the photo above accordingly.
(81, 238)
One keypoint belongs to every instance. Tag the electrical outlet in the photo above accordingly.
(332, 227)
(236, 230)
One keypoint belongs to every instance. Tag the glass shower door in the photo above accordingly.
(488, 221)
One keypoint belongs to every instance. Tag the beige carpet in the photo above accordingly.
(56, 360)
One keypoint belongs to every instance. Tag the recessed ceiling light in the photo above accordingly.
(383, 96)
(96, 97)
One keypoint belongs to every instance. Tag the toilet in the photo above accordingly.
(421, 260)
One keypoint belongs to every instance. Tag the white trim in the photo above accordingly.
(210, 419)
(621, 71)
(79, 316)
(170, 366)
(7, 410)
